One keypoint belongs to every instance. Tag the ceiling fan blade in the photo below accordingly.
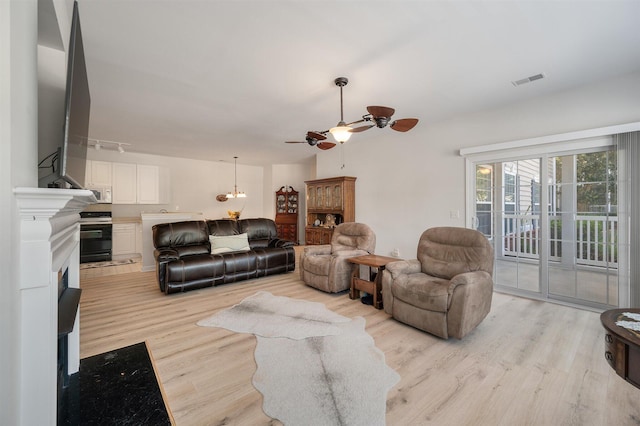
(380, 111)
(295, 142)
(317, 136)
(326, 145)
(361, 128)
(404, 124)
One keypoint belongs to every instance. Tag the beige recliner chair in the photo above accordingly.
(326, 268)
(447, 290)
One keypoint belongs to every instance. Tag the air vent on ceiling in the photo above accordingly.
(528, 79)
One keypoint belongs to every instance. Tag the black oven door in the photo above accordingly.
(95, 243)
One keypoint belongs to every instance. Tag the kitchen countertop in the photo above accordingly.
(130, 219)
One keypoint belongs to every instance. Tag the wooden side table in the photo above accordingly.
(622, 345)
(372, 287)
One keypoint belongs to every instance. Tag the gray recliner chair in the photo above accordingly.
(447, 290)
(325, 266)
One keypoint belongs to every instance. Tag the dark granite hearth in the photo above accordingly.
(115, 388)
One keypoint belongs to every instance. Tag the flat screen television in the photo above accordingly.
(68, 163)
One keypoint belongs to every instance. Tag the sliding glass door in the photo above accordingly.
(553, 224)
(583, 229)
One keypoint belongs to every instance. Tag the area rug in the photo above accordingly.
(315, 367)
(91, 265)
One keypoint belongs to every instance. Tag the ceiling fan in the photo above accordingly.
(316, 139)
(380, 115)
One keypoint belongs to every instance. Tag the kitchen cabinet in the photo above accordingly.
(140, 184)
(287, 213)
(123, 239)
(98, 174)
(330, 201)
(124, 188)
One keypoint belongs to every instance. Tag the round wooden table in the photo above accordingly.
(622, 345)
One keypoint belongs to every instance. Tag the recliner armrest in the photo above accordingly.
(469, 278)
(166, 255)
(350, 253)
(401, 267)
(317, 250)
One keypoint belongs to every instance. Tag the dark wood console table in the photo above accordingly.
(622, 345)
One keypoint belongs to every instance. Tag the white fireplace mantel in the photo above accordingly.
(49, 244)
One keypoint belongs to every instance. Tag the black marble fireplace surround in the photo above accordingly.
(118, 387)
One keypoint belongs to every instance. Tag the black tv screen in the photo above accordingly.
(69, 162)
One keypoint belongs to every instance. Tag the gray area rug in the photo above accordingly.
(315, 367)
(91, 265)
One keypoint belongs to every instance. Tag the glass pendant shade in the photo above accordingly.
(341, 133)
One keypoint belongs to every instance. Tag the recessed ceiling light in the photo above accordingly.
(528, 79)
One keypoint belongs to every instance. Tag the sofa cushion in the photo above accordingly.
(228, 243)
(177, 234)
(191, 250)
(318, 265)
(258, 229)
(221, 227)
(422, 291)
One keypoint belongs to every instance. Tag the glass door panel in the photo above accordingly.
(518, 263)
(573, 256)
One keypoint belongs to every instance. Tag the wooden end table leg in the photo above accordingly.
(354, 293)
(377, 294)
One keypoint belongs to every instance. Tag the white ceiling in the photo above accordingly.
(214, 79)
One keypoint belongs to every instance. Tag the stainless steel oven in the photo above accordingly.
(95, 236)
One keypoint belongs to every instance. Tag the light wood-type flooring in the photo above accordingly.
(528, 362)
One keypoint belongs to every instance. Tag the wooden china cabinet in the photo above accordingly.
(330, 202)
(287, 213)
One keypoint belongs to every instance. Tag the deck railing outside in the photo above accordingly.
(596, 238)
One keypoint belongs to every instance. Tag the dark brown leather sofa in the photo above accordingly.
(184, 260)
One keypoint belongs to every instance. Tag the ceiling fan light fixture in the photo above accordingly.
(341, 133)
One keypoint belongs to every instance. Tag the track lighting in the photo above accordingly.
(99, 144)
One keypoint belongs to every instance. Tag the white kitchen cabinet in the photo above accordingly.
(123, 239)
(124, 188)
(140, 184)
(98, 174)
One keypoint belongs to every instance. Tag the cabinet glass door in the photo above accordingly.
(311, 204)
(337, 197)
(328, 199)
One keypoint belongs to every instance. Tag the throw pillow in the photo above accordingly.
(229, 243)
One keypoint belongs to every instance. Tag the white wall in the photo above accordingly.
(18, 160)
(412, 181)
